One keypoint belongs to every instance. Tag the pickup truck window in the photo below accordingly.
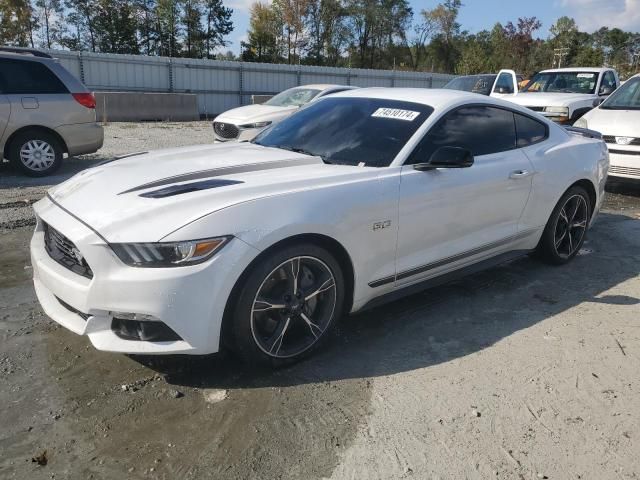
(504, 83)
(563, 82)
(608, 80)
(472, 83)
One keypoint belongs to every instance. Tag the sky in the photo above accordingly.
(477, 15)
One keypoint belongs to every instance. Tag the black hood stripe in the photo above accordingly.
(173, 190)
(219, 172)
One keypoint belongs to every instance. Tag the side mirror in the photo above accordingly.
(447, 157)
(606, 90)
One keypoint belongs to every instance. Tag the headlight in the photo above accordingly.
(168, 254)
(558, 111)
(256, 125)
(581, 123)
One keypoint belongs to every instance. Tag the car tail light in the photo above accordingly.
(85, 99)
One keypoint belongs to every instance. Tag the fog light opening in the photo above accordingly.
(144, 331)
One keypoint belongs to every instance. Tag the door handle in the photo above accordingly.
(520, 174)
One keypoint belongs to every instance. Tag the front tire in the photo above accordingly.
(288, 306)
(566, 229)
(36, 153)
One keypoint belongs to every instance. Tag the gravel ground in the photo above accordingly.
(18, 192)
(524, 371)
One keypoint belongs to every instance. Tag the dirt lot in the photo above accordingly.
(521, 372)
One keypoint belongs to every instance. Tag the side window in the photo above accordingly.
(504, 83)
(26, 77)
(529, 131)
(609, 80)
(482, 130)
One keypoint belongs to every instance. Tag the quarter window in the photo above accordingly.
(529, 131)
(482, 130)
(26, 77)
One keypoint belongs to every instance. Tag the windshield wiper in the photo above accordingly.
(300, 150)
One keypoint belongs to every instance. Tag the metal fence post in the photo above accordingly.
(299, 75)
(430, 81)
(241, 82)
(81, 64)
(170, 65)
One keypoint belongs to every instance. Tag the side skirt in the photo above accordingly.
(442, 279)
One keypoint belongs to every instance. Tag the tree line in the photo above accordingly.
(175, 28)
(380, 34)
(388, 34)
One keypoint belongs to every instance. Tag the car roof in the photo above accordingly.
(475, 75)
(577, 69)
(437, 98)
(325, 86)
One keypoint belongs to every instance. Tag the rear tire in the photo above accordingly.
(288, 306)
(566, 229)
(36, 153)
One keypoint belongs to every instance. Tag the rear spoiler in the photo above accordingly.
(584, 132)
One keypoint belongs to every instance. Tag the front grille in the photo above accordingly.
(612, 139)
(536, 109)
(63, 251)
(624, 170)
(227, 131)
(625, 152)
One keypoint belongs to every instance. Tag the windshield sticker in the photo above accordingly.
(586, 75)
(396, 113)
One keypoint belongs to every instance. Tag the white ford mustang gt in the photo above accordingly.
(352, 200)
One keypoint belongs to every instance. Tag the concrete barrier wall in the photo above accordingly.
(140, 106)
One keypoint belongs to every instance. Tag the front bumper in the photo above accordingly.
(624, 165)
(189, 300)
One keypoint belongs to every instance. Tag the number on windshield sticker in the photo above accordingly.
(396, 114)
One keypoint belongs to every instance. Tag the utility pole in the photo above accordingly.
(560, 53)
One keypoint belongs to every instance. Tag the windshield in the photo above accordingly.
(627, 97)
(349, 131)
(563, 82)
(473, 83)
(294, 97)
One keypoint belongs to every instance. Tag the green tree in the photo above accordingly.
(193, 31)
(17, 23)
(444, 46)
(168, 28)
(81, 23)
(48, 13)
(116, 25)
(263, 34)
(218, 25)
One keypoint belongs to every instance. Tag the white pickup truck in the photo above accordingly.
(562, 94)
(565, 94)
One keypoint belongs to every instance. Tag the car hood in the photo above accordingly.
(620, 123)
(145, 197)
(543, 99)
(255, 113)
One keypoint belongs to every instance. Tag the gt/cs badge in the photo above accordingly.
(381, 225)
